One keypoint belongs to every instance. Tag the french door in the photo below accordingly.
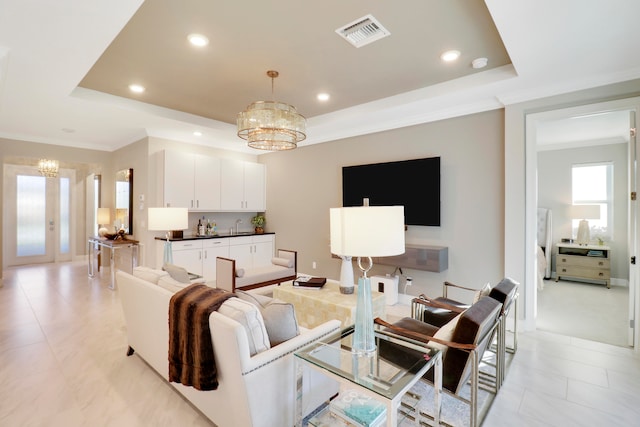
(37, 216)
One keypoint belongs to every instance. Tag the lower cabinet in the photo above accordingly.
(251, 251)
(188, 255)
(197, 256)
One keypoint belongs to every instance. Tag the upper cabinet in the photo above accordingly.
(191, 181)
(203, 183)
(242, 186)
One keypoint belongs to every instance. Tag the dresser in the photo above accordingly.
(590, 262)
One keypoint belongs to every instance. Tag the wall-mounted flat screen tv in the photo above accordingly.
(414, 184)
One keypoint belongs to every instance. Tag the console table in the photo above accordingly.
(316, 306)
(112, 245)
(587, 262)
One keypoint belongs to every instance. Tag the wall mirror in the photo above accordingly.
(124, 200)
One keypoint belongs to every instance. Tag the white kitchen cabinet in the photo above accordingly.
(191, 181)
(212, 248)
(188, 254)
(206, 183)
(251, 251)
(179, 175)
(197, 256)
(242, 186)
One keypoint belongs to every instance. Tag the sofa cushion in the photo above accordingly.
(248, 315)
(279, 316)
(177, 272)
(149, 274)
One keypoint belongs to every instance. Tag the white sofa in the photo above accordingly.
(253, 391)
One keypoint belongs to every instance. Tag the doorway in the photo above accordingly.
(624, 240)
(38, 213)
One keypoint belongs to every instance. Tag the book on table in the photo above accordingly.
(358, 409)
(309, 282)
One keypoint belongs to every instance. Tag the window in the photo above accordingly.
(592, 184)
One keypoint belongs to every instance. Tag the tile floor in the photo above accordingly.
(63, 363)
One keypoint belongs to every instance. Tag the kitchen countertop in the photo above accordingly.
(217, 236)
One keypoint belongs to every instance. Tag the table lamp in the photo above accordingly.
(104, 219)
(169, 220)
(365, 232)
(584, 212)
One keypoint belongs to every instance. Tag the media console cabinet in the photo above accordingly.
(585, 262)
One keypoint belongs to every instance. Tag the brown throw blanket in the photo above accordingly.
(191, 360)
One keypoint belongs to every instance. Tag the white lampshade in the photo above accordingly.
(104, 216)
(367, 231)
(585, 211)
(166, 219)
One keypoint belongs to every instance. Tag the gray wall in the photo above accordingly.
(554, 192)
(303, 184)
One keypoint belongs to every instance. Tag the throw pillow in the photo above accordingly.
(169, 283)
(280, 321)
(149, 274)
(279, 317)
(284, 262)
(483, 292)
(445, 333)
(258, 300)
(178, 273)
(250, 318)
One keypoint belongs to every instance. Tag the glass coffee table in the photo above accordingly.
(386, 375)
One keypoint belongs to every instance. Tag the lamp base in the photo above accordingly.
(168, 253)
(583, 237)
(364, 341)
(346, 276)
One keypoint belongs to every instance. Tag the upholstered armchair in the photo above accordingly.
(440, 310)
(463, 341)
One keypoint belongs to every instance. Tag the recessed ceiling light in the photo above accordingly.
(136, 88)
(197, 133)
(450, 55)
(479, 62)
(68, 130)
(198, 40)
(323, 97)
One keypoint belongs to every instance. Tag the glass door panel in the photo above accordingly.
(38, 215)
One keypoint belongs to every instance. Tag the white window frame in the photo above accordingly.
(607, 204)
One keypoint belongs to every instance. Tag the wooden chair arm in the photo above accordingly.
(460, 287)
(424, 300)
(446, 284)
(422, 337)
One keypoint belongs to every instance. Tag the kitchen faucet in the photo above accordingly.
(238, 221)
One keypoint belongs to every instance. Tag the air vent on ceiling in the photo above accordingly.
(363, 31)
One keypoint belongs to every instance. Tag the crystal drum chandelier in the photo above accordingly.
(271, 125)
(48, 168)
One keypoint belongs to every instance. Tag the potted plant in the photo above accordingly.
(258, 222)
